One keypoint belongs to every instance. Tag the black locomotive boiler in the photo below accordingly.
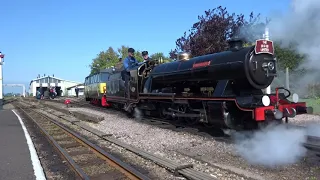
(223, 89)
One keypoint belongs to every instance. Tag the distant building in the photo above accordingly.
(47, 81)
(71, 91)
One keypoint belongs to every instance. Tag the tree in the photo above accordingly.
(159, 55)
(110, 57)
(123, 52)
(211, 32)
(103, 60)
(288, 57)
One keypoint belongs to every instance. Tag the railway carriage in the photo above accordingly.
(94, 87)
(222, 89)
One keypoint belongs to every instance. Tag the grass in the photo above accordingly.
(315, 103)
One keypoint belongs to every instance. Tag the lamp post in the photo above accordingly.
(1, 81)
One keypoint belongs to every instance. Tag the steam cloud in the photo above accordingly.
(275, 145)
(300, 25)
(137, 113)
(279, 145)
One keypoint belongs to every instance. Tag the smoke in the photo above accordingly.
(137, 113)
(300, 26)
(275, 145)
(313, 130)
(297, 29)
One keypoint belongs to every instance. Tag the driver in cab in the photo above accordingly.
(130, 62)
(145, 56)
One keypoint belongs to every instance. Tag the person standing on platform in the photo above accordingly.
(77, 91)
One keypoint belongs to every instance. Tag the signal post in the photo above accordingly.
(1, 81)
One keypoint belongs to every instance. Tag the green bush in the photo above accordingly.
(313, 90)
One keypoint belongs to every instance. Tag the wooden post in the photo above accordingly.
(287, 79)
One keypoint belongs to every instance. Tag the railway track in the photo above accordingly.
(313, 144)
(86, 159)
(177, 169)
(198, 129)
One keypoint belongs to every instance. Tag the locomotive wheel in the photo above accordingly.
(262, 125)
(162, 115)
(208, 125)
(191, 121)
(130, 113)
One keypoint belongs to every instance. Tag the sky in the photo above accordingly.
(62, 37)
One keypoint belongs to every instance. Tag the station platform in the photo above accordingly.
(18, 158)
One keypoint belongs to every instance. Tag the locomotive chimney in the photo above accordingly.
(235, 43)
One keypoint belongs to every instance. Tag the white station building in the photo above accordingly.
(71, 91)
(47, 81)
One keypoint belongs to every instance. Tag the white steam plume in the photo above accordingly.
(300, 25)
(137, 113)
(276, 145)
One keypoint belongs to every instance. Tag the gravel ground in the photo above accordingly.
(145, 166)
(187, 148)
(305, 119)
(220, 158)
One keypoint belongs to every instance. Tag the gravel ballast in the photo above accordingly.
(144, 166)
(221, 158)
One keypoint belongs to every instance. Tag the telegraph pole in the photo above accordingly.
(266, 36)
(1, 81)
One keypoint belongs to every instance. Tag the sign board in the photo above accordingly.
(264, 47)
(201, 64)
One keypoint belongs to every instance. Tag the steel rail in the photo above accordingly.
(113, 161)
(126, 169)
(62, 152)
(185, 170)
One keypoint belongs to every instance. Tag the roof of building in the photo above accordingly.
(53, 78)
(107, 70)
(68, 88)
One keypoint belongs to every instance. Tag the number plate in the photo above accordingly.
(264, 47)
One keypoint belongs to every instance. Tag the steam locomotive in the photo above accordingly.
(223, 89)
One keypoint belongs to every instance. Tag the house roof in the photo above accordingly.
(53, 78)
(82, 84)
